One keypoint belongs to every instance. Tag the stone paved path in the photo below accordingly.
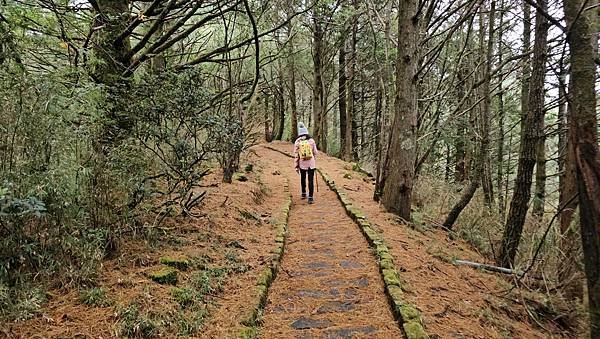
(328, 285)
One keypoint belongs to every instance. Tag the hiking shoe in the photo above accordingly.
(303, 196)
(311, 200)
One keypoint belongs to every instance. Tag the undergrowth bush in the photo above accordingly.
(65, 204)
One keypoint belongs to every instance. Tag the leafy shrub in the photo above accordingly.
(95, 297)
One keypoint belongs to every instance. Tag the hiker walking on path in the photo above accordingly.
(305, 150)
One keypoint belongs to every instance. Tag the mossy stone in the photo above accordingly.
(280, 239)
(166, 275)
(396, 294)
(386, 264)
(347, 176)
(240, 177)
(266, 277)
(262, 295)
(179, 263)
(390, 277)
(356, 213)
(278, 251)
(409, 313)
(381, 249)
(414, 330)
(385, 256)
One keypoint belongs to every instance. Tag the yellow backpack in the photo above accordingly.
(305, 150)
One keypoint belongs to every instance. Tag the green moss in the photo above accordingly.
(181, 264)
(248, 168)
(265, 277)
(396, 294)
(409, 313)
(347, 176)
(356, 213)
(382, 250)
(184, 296)
(414, 330)
(262, 295)
(240, 177)
(166, 275)
(385, 256)
(390, 277)
(279, 239)
(387, 263)
(248, 333)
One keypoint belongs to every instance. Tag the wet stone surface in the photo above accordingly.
(336, 306)
(304, 323)
(319, 265)
(350, 264)
(350, 332)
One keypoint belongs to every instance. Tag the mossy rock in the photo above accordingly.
(381, 249)
(347, 176)
(266, 277)
(278, 250)
(386, 264)
(371, 235)
(396, 294)
(408, 312)
(262, 295)
(356, 213)
(248, 332)
(279, 239)
(248, 168)
(240, 177)
(178, 263)
(385, 256)
(166, 275)
(390, 277)
(414, 330)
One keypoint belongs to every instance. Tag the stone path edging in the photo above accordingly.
(406, 313)
(268, 274)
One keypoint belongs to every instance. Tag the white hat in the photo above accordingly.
(302, 129)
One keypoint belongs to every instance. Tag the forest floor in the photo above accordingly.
(328, 284)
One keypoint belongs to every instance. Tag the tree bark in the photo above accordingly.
(342, 91)
(291, 66)
(480, 161)
(583, 129)
(399, 167)
(529, 140)
(350, 132)
(500, 151)
(319, 123)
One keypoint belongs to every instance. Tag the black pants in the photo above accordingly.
(311, 181)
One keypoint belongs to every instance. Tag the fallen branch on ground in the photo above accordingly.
(487, 267)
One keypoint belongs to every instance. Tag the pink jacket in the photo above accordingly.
(305, 164)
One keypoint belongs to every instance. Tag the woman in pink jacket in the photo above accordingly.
(305, 150)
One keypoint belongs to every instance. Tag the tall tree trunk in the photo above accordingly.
(342, 91)
(399, 166)
(570, 243)
(488, 188)
(480, 161)
(319, 132)
(459, 141)
(583, 129)
(280, 99)
(350, 133)
(529, 141)
(500, 151)
(292, 84)
(540, 175)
